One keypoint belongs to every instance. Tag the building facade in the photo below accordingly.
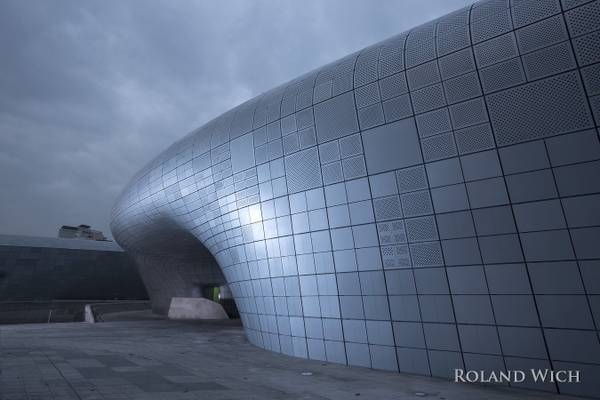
(44, 269)
(425, 204)
(80, 232)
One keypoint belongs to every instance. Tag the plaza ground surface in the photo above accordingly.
(158, 359)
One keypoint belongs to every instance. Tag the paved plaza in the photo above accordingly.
(155, 359)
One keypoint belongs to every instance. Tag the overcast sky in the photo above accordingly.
(92, 90)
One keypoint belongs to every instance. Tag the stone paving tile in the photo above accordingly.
(129, 369)
(85, 363)
(168, 360)
(114, 361)
(185, 379)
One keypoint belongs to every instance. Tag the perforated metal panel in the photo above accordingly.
(411, 179)
(336, 118)
(524, 113)
(303, 171)
(387, 208)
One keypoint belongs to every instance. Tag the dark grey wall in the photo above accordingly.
(43, 273)
(428, 203)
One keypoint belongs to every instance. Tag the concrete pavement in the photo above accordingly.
(168, 360)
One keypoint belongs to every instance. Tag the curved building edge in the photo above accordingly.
(425, 204)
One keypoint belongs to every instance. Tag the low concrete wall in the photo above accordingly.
(195, 308)
(95, 312)
(26, 312)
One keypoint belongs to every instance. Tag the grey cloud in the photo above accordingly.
(90, 91)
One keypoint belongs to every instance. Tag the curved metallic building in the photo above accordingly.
(428, 203)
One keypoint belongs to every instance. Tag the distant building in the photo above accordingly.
(80, 232)
(39, 274)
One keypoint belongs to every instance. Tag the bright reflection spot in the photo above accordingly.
(255, 214)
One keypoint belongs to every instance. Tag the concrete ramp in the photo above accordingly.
(195, 308)
(101, 312)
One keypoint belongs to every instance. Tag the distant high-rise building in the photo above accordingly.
(80, 232)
